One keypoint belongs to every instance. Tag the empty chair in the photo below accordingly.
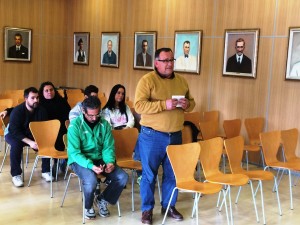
(254, 126)
(185, 180)
(45, 134)
(211, 115)
(210, 155)
(187, 136)
(193, 119)
(289, 140)
(234, 148)
(271, 142)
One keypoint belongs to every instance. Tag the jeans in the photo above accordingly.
(88, 178)
(16, 151)
(152, 148)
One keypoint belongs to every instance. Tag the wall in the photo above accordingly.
(54, 23)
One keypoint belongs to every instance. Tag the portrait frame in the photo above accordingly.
(188, 63)
(10, 51)
(248, 66)
(83, 57)
(140, 38)
(105, 59)
(293, 55)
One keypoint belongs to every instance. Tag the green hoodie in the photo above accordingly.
(86, 145)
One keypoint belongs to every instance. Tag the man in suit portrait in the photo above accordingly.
(18, 50)
(144, 58)
(109, 57)
(186, 61)
(239, 62)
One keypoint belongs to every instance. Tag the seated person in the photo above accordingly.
(91, 151)
(116, 112)
(18, 134)
(90, 90)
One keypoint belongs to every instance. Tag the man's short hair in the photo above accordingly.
(240, 40)
(144, 42)
(28, 90)
(92, 102)
(18, 34)
(186, 42)
(89, 89)
(80, 41)
(158, 51)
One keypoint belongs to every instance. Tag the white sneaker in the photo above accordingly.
(47, 176)
(18, 181)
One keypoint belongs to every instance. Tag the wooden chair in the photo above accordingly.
(187, 135)
(211, 115)
(254, 126)
(15, 95)
(73, 174)
(194, 118)
(125, 141)
(232, 128)
(210, 155)
(129, 103)
(45, 134)
(271, 142)
(289, 140)
(185, 180)
(234, 148)
(74, 98)
(103, 101)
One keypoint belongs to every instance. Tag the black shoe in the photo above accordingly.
(147, 217)
(172, 213)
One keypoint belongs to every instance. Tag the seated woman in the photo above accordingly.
(116, 112)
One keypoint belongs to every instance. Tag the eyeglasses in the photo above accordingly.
(166, 60)
(93, 116)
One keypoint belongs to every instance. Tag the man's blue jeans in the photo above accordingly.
(88, 177)
(152, 148)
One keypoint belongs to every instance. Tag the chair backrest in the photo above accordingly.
(187, 136)
(45, 134)
(65, 140)
(191, 155)
(4, 122)
(254, 127)
(210, 156)
(74, 98)
(270, 142)
(103, 101)
(129, 102)
(193, 117)
(211, 115)
(15, 95)
(289, 140)
(6, 103)
(234, 148)
(125, 141)
(137, 119)
(232, 128)
(209, 129)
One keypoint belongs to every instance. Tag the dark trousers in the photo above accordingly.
(16, 151)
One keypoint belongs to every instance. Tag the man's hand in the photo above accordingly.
(171, 103)
(3, 114)
(33, 145)
(109, 167)
(184, 103)
(98, 169)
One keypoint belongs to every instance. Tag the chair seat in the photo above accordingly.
(53, 153)
(196, 186)
(228, 179)
(259, 175)
(286, 165)
(130, 164)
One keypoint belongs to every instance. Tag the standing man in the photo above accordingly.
(144, 58)
(91, 151)
(18, 50)
(18, 134)
(186, 61)
(80, 55)
(161, 125)
(239, 62)
(109, 56)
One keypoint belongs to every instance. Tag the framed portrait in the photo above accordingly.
(81, 48)
(17, 44)
(110, 48)
(293, 55)
(144, 50)
(240, 53)
(187, 51)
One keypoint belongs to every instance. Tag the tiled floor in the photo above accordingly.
(33, 205)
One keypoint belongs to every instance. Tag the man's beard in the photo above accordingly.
(34, 105)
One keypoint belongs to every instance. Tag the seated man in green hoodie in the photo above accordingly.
(91, 151)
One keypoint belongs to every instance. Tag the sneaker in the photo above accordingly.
(138, 180)
(18, 181)
(102, 205)
(47, 176)
(89, 214)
